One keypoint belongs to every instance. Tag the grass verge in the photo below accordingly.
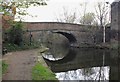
(39, 72)
(4, 67)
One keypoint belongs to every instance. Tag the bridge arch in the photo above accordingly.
(71, 38)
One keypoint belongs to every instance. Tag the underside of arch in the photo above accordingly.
(71, 38)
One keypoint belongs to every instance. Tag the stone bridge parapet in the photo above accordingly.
(83, 33)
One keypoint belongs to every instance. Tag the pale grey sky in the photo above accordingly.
(54, 8)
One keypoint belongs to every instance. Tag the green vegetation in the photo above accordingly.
(18, 7)
(39, 72)
(4, 67)
(15, 33)
(14, 38)
(14, 47)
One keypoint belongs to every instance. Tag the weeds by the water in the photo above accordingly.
(39, 72)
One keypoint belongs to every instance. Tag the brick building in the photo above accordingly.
(115, 15)
(115, 20)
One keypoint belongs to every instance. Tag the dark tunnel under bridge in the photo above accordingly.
(71, 38)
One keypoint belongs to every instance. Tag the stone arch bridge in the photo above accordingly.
(75, 33)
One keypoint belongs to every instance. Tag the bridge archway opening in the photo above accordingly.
(71, 38)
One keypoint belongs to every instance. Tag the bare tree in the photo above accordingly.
(67, 17)
(82, 14)
(88, 19)
(102, 15)
(71, 16)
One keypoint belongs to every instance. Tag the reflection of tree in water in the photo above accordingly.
(87, 72)
(95, 73)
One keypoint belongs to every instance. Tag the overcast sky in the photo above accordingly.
(54, 9)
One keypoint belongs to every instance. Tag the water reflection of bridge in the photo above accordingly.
(86, 58)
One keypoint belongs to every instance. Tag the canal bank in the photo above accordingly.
(24, 63)
(41, 70)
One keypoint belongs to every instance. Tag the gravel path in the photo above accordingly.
(20, 64)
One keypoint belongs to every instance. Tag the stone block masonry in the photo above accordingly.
(84, 33)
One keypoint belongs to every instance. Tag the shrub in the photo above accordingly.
(15, 33)
(13, 47)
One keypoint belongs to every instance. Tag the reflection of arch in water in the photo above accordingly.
(69, 57)
(82, 59)
(69, 36)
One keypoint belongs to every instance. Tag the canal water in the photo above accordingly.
(82, 64)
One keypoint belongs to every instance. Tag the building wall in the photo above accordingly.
(114, 15)
(119, 21)
(115, 20)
